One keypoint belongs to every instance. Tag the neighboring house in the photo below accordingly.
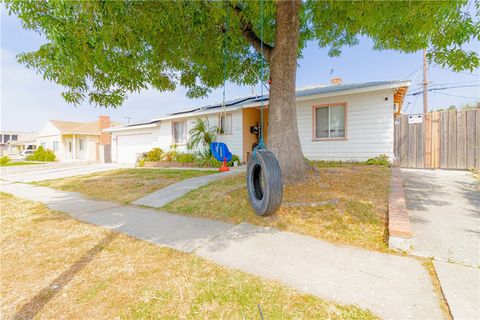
(335, 122)
(76, 140)
(14, 142)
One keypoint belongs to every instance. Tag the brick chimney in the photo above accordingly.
(335, 81)
(103, 123)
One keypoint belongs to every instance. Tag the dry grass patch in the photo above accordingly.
(55, 267)
(428, 265)
(351, 205)
(123, 185)
(476, 173)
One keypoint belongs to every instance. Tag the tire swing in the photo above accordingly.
(264, 177)
(264, 182)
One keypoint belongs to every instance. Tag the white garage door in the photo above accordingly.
(130, 146)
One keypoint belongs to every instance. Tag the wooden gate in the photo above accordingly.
(446, 139)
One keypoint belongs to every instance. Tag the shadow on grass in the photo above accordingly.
(36, 304)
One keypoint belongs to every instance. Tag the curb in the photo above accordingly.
(399, 227)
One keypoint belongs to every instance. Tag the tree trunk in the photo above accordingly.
(283, 138)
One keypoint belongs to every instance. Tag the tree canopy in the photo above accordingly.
(101, 51)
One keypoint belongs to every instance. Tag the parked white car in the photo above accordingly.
(25, 153)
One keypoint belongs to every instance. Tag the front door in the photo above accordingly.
(68, 148)
(81, 148)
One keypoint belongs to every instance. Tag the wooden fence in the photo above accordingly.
(447, 140)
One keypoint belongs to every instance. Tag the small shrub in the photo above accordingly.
(156, 154)
(141, 159)
(42, 154)
(4, 160)
(235, 158)
(381, 160)
(171, 154)
(185, 157)
(206, 159)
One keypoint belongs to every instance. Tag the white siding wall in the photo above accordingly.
(369, 128)
(233, 141)
(162, 135)
(48, 141)
(48, 129)
(90, 151)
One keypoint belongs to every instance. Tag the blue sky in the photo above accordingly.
(27, 100)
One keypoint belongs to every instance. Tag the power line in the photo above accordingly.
(456, 95)
(411, 106)
(453, 83)
(462, 72)
(413, 72)
(443, 88)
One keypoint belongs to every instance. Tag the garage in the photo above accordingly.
(132, 145)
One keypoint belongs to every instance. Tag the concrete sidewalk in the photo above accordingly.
(174, 191)
(391, 286)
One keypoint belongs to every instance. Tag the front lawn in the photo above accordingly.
(123, 185)
(56, 267)
(346, 204)
(18, 163)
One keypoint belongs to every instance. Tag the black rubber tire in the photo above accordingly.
(264, 199)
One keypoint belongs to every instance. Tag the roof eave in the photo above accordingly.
(82, 133)
(356, 90)
(133, 127)
(197, 113)
(387, 86)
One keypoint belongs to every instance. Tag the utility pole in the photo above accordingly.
(425, 82)
(128, 118)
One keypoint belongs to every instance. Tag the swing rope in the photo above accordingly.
(223, 112)
(261, 142)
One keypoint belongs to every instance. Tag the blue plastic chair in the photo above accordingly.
(220, 151)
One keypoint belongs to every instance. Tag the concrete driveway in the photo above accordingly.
(49, 171)
(444, 208)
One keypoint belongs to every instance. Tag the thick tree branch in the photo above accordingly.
(251, 36)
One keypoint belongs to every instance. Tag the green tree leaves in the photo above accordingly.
(101, 51)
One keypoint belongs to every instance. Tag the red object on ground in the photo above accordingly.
(224, 167)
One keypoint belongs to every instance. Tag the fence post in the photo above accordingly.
(428, 140)
(435, 140)
(477, 140)
(461, 140)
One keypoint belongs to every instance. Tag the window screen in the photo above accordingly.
(330, 122)
(179, 132)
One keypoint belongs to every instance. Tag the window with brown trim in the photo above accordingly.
(329, 122)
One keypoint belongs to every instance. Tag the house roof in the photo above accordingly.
(70, 127)
(76, 127)
(252, 101)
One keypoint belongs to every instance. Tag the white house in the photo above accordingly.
(349, 122)
(14, 142)
(72, 141)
